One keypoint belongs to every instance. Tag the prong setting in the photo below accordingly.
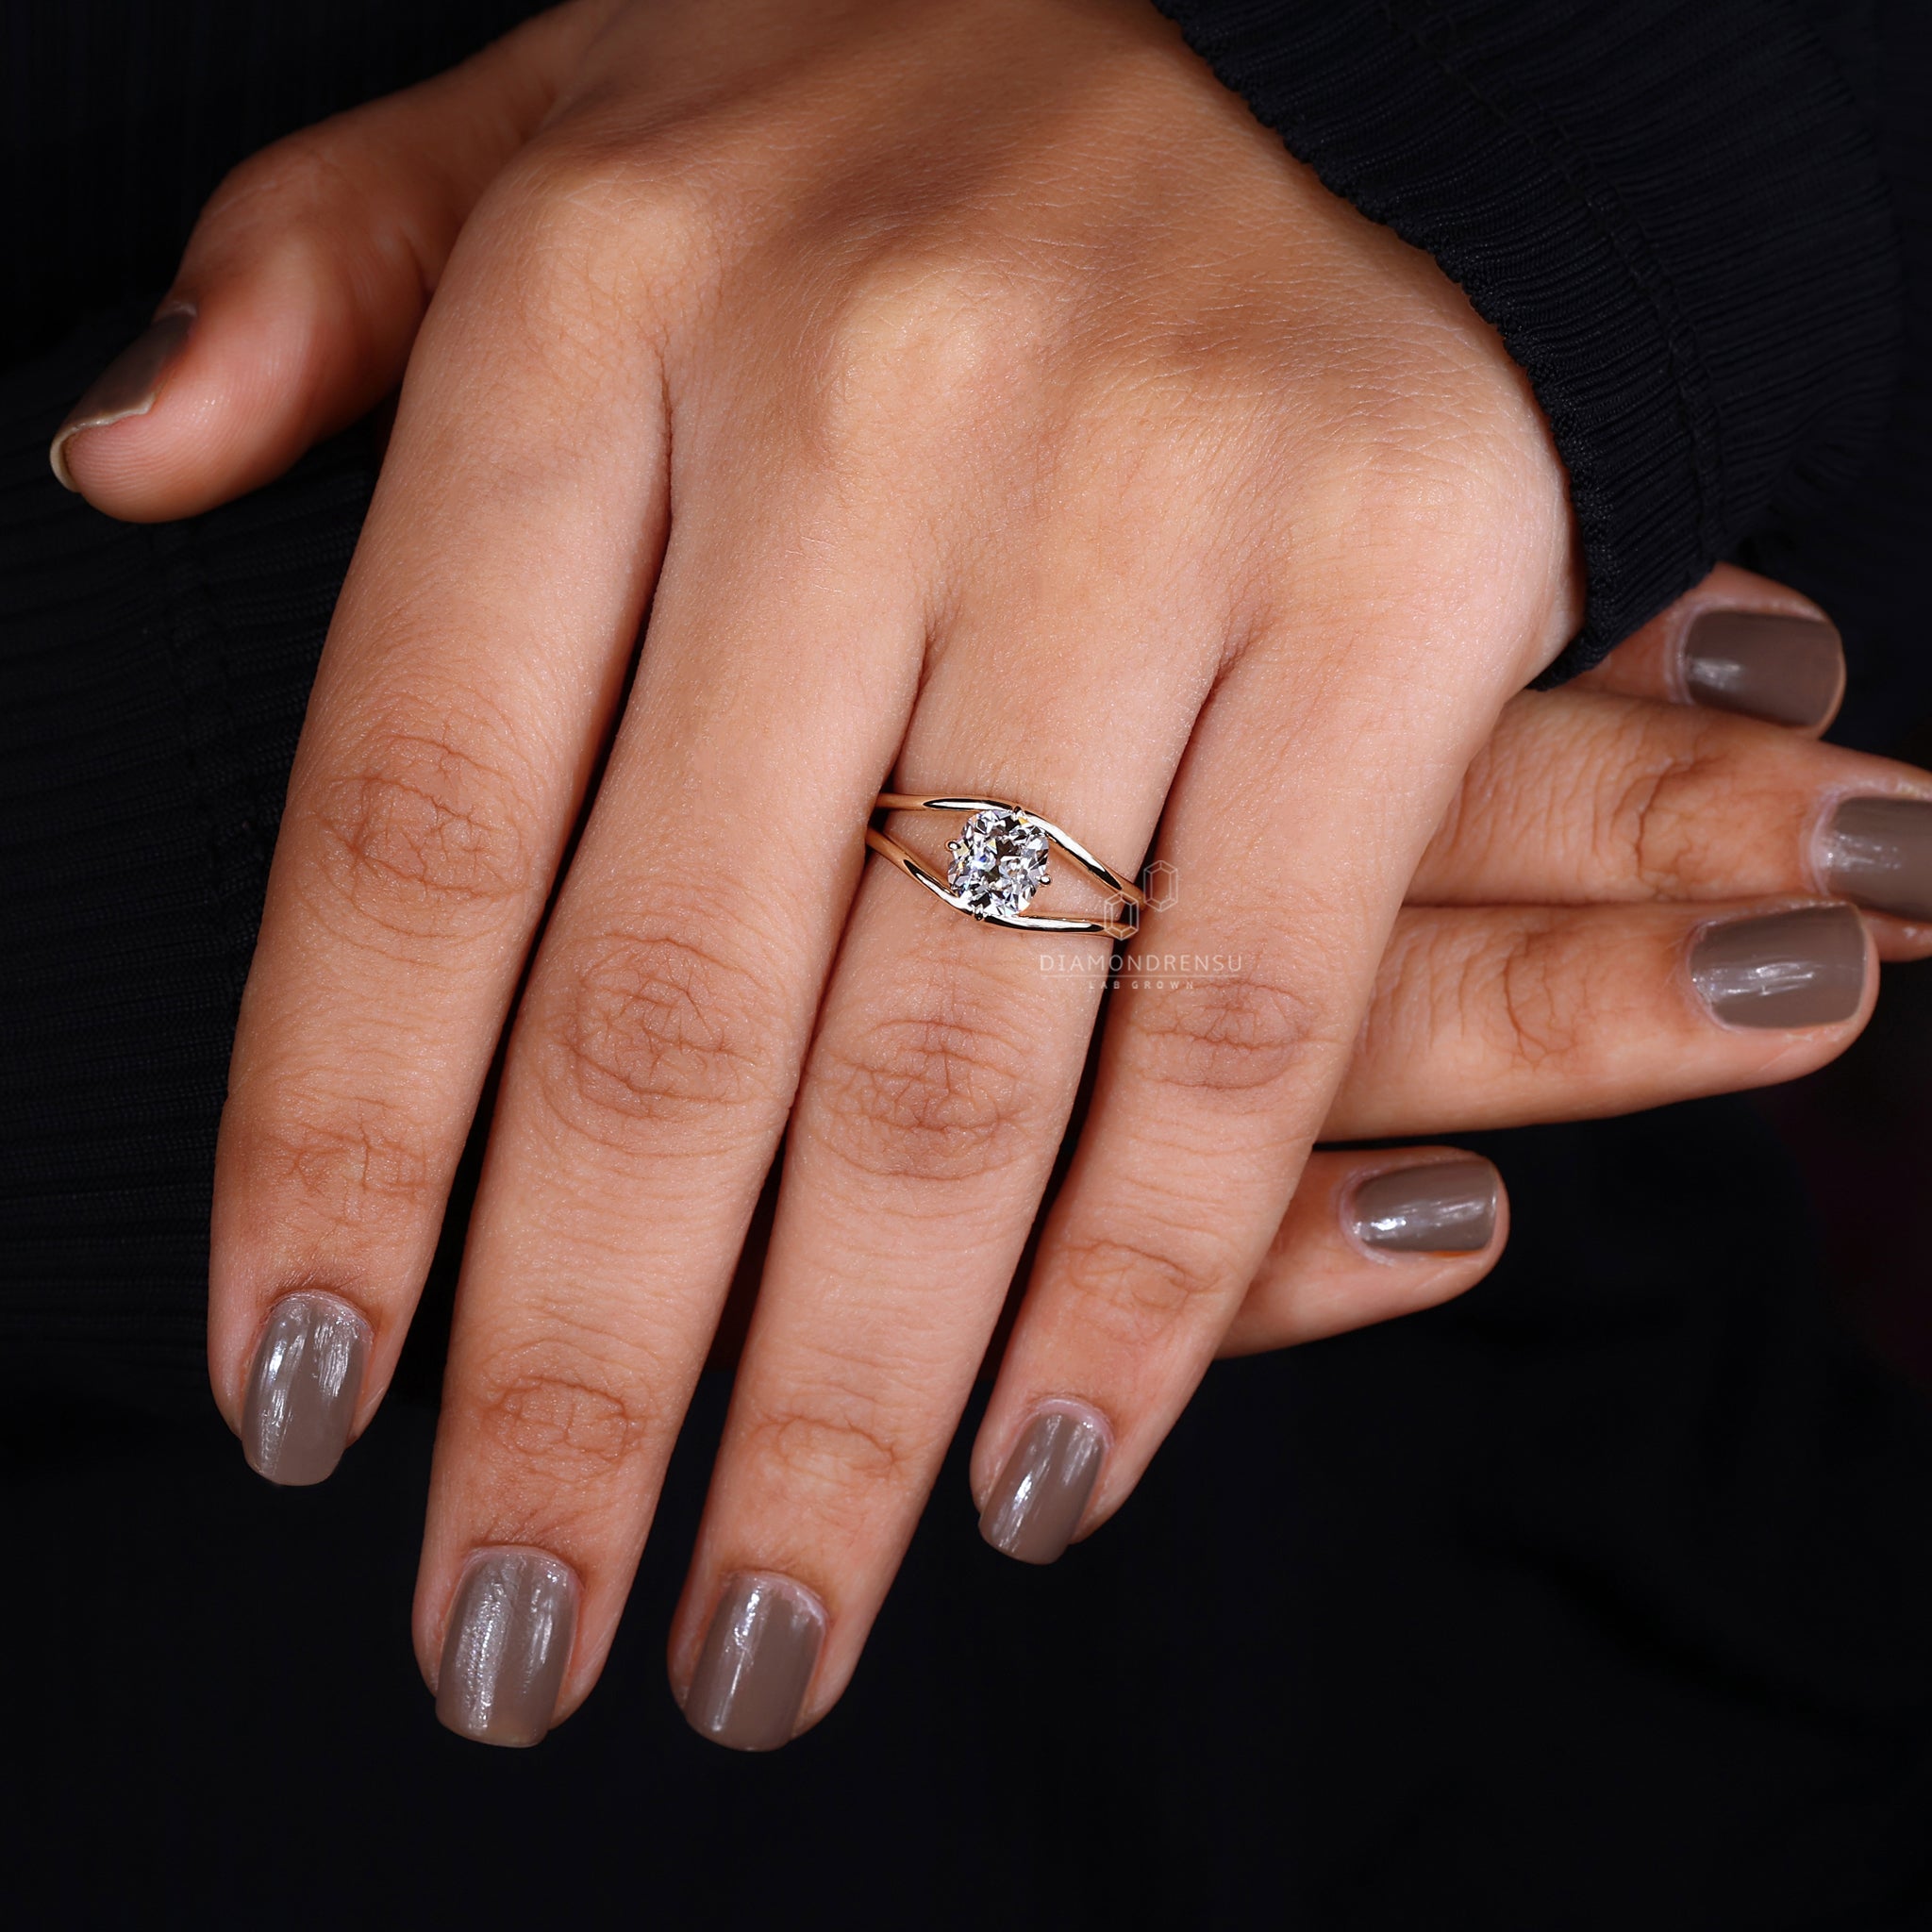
(999, 861)
(999, 864)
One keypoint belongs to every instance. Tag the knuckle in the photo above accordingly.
(361, 1163)
(582, 199)
(833, 1442)
(1238, 1038)
(1655, 822)
(588, 253)
(927, 335)
(559, 1412)
(1537, 999)
(1444, 473)
(1135, 1288)
(656, 1029)
(300, 176)
(938, 1092)
(423, 836)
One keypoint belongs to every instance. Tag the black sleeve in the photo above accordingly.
(1672, 211)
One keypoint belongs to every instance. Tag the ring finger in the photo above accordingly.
(932, 1106)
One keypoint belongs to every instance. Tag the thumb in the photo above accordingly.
(304, 282)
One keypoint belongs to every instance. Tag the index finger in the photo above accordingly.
(475, 659)
(1580, 797)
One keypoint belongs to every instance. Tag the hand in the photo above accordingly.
(1559, 920)
(1052, 434)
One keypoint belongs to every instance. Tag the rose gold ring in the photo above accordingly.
(999, 862)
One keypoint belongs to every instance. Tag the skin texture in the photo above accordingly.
(1038, 431)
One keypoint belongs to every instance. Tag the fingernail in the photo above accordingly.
(507, 1642)
(757, 1665)
(1785, 670)
(1446, 1208)
(1041, 1494)
(1878, 851)
(127, 386)
(303, 1389)
(1802, 967)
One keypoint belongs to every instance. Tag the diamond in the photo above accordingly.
(999, 861)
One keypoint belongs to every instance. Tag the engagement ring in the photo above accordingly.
(998, 862)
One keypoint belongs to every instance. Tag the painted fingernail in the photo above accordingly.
(757, 1664)
(1041, 1494)
(127, 386)
(303, 1389)
(507, 1642)
(1802, 967)
(1878, 851)
(1785, 669)
(1446, 1208)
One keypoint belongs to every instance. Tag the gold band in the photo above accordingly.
(998, 819)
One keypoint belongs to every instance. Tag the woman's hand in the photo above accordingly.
(971, 392)
(1578, 943)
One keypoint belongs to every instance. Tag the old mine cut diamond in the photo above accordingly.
(999, 861)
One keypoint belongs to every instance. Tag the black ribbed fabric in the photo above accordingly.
(1848, 553)
(1671, 210)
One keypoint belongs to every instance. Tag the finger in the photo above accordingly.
(1498, 1017)
(1585, 797)
(476, 656)
(1367, 1237)
(1736, 642)
(656, 1050)
(940, 1080)
(304, 282)
(1216, 1070)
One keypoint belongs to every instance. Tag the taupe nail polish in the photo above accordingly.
(1785, 669)
(1041, 1494)
(127, 386)
(1802, 967)
(507, 1646)
(757, 1664)
(304, 1386)
(1448, 1208)
(1878, 852)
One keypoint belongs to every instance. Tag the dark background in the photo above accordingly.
(1601, 1598)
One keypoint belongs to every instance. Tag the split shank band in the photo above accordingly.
(999, 862)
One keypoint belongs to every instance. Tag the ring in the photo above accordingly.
(999, 862)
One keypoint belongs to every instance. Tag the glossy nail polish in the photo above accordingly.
(1785, 669)
(304, 1386)
(127, 386)
(1801, 968)
(1878, 852)
(757, 1664)
(1041, 1494)
(506, 1646)
(1446, 1209)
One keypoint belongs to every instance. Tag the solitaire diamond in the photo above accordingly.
(999, 862)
